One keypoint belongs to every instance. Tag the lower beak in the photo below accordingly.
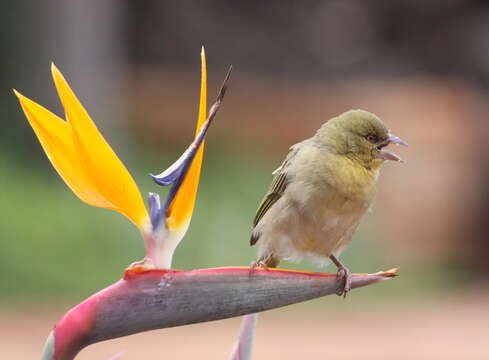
(386, 154)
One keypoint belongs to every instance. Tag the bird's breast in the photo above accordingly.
(326, 229)
(348, 178)
(328, 213)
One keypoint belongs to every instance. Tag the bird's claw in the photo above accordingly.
(258, 263)
(343, 277)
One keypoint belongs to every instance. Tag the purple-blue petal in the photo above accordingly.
(176, 173)
(154, 209)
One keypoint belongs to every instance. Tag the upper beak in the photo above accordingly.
(386, 154)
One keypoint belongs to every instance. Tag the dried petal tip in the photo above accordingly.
(390, 273)
(387, 274)
(224, 87)
(366, 279)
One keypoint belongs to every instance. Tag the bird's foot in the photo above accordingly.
(258, 263)
(265, 262)
(343, 277)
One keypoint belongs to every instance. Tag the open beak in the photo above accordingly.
(386, 154)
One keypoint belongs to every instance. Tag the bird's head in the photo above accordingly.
(361, 136)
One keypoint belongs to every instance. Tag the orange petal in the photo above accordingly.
(108, 174)
(55, 138)
(180, 210)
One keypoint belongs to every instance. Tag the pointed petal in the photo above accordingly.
(170, 175)
(180, 210)
(55, 138)
(101, 164)
(154, 208)
(177, 172)
(163, 245)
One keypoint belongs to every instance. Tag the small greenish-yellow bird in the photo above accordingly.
(321, 191)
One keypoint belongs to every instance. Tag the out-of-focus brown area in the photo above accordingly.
(426, 203)
(427, 330)
(423, 67)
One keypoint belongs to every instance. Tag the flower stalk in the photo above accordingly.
(166, 298)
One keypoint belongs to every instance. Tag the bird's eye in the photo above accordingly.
(372, 138)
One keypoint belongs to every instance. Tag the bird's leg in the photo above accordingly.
(265, 262)
(343, 276)
(255, 264)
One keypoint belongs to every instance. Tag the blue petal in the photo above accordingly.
(175, 174)
(170, 175)
(180, 167)
(154, 208)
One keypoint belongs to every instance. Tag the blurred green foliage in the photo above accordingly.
(52, 246)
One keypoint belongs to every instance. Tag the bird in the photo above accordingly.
(321, 191)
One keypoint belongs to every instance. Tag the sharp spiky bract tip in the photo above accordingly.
(19, 96)
(220, 96)
(230, 70)
(224, 85)
(392, 272)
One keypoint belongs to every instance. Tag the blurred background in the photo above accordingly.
(423, 67)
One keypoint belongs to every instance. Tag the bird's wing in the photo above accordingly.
(275, 192)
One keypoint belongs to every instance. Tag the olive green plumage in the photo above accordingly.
(322, 190)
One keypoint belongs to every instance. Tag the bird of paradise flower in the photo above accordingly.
(92, 170)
